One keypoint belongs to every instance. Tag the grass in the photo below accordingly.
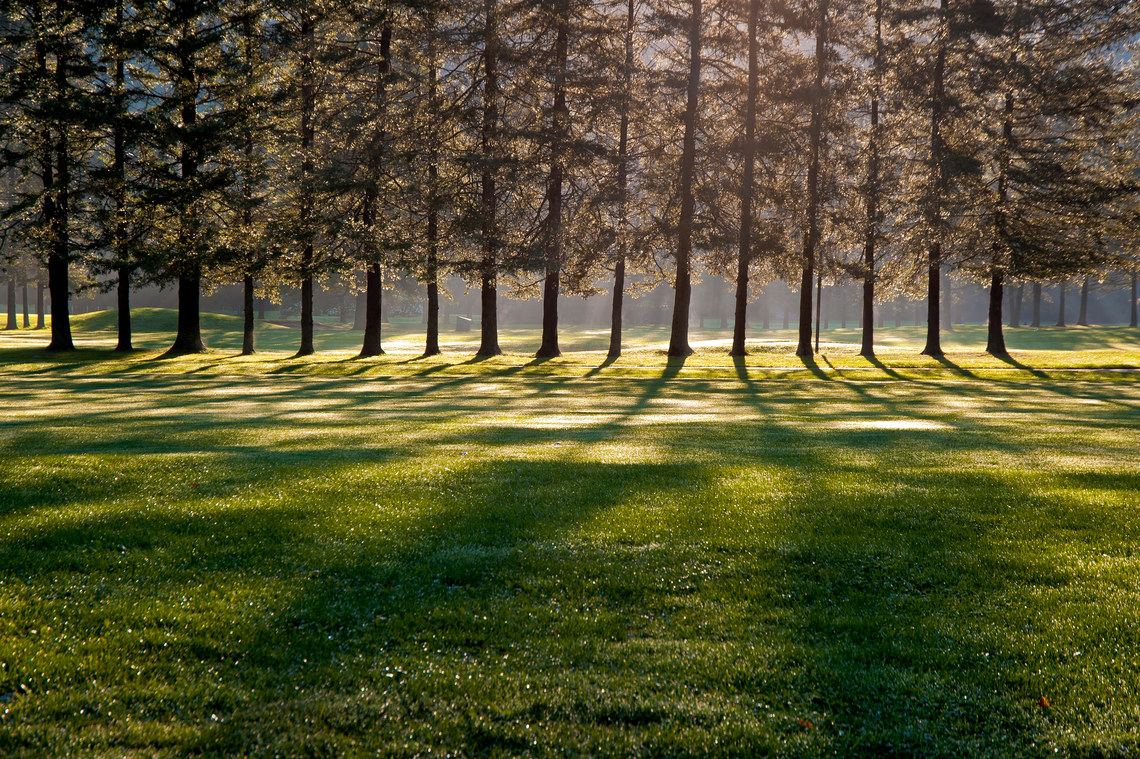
(216, 555)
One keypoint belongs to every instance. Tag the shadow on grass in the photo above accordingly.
(760, 586)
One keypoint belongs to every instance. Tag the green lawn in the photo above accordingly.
(323, 557)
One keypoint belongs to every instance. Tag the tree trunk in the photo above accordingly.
(623, 188)
(373, 309)
(189, 336)
(24, 303)
(431, 348)
(1083, 313)
(683, 289)
(1061, 305)
(867, 349)
(488, 322)
(560, 117)
(12, 322)
(818, 306)
(40, 302)
(815, 137)
(744, 254)
(119, 168)
(995, 343)
(938, 184)
(59, 256)
(124, 313)
(1132, 321)
(308, 106)
(247, 346)
(1036, 304)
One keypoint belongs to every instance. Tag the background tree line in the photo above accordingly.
(542, 147)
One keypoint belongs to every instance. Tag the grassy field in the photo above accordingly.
(322, 557)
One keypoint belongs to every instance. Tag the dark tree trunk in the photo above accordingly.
(189, 336)
(374, 277)
(188, 339)
(683, 289)
(373, 307)
(938, 182)
(867, 349)
(815, 137)
(818, 307)
(12, 321)
(247, 346)
(24, 303)
(308, 106)
(59, 256)
(744, 254)
(1083, 312)
(995, 342)
(40, 303)
(488, 295)
(119, 140)
(559, 125)
(1036, 304)
(431, 348)
(124, 314)
(1132, 303)
(623, 188)
(1061, 305)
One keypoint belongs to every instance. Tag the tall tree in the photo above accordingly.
(814, 189)
(679, 333)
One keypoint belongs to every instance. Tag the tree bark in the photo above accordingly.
(12, 322)
(189, 336)
(247, 346)
(119, 167)
(1083, 313)
(559, 125)
(59, 256)
(123, 295)
(373, 308)
(815, 137)
(623, 188)
(1061, 304)
(431, 347)
(1036, 304)
(1132, 321)
(40, 303)
(938, 183)
(867, 349)
(995, 342)
(744, 253)
(683, 289)
(308, 106)
(488, 295)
